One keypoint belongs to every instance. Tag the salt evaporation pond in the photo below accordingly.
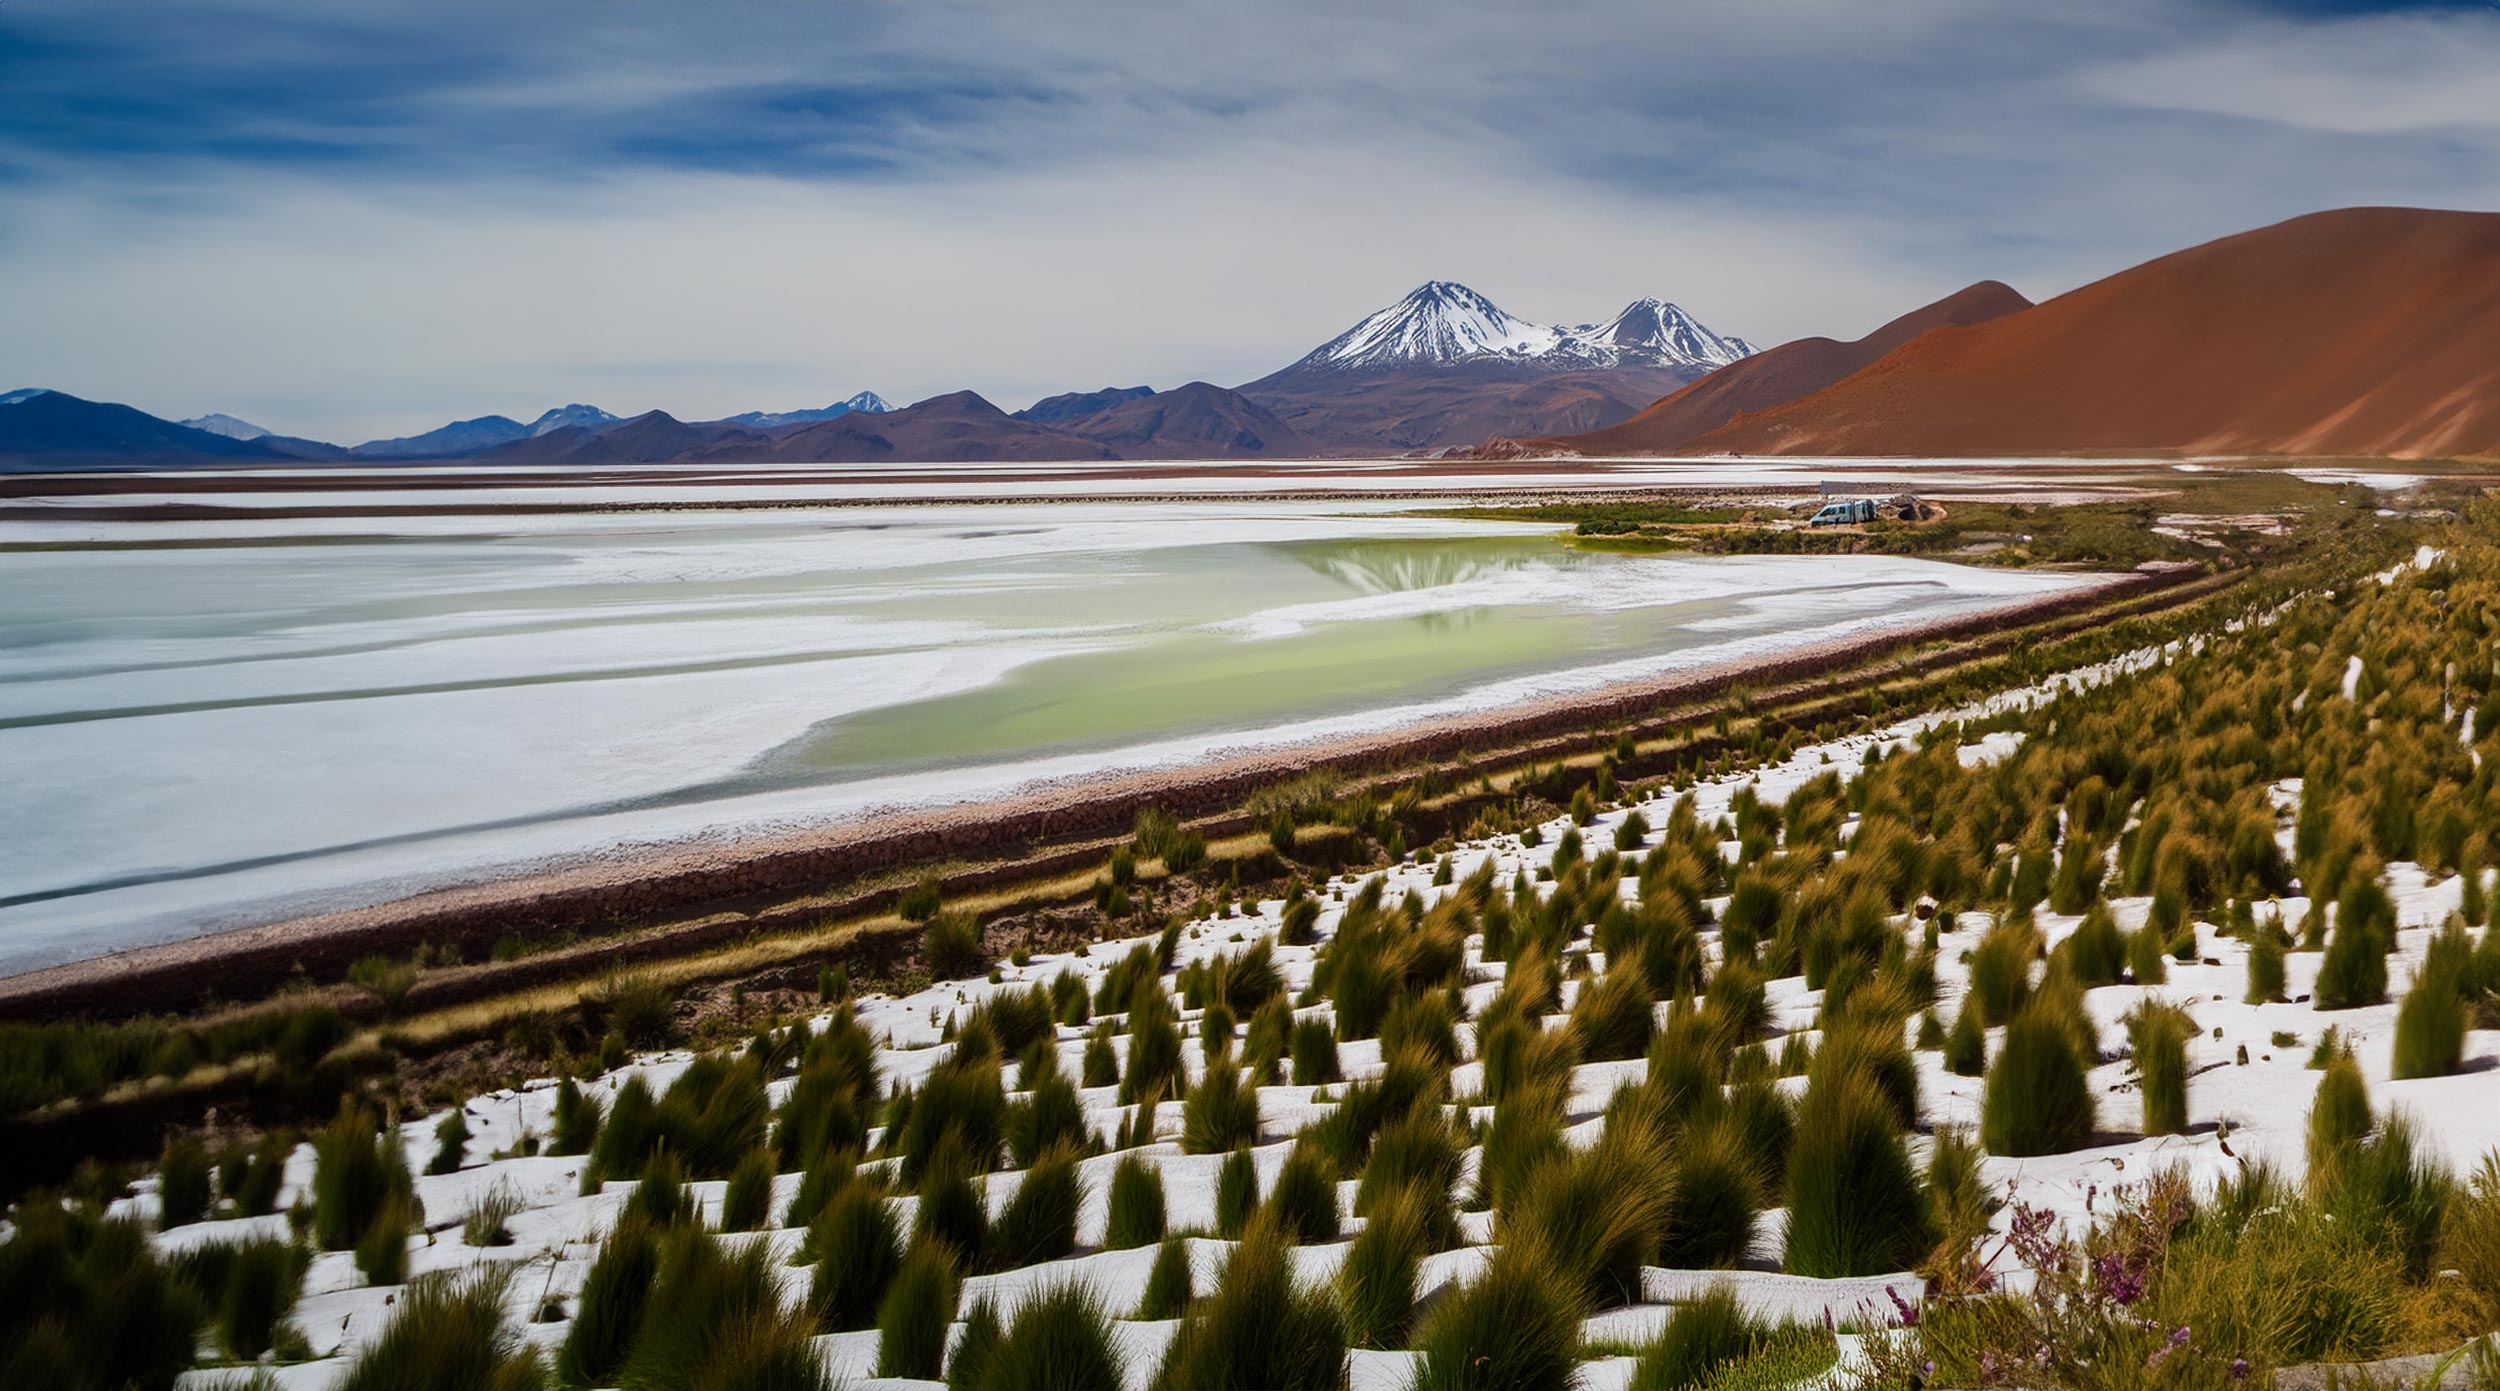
(209, 724)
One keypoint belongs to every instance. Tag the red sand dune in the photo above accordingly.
(1779, 375)
(2367, 331)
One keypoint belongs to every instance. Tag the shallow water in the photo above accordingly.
(269, 717)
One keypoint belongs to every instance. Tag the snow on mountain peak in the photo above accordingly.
(1442, 322)
(220, 423)
(589, 417)
(870, 402)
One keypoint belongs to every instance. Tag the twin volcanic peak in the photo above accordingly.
(1442, 323)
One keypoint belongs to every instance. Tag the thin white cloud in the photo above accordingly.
(2377, 75)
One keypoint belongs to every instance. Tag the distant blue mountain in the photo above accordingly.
(1075, 405)
(867, 402)
(449, 442)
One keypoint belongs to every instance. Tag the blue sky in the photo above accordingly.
(347, 220)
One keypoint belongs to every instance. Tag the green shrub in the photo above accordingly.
(748, 1201)
(1049, 1116)
(489, 1219)
(715, 1318)
(2339, 1116)
(2096, 949)
(1525, 1135)
(858, 1249)
(248, 1287)
(1135, 1205)
(357, 1175)
(1600, 1213)
(89, 1306)
(1516, 1325)
(1314, 1054)
(1417, 1151)
(2000, 971)
(2354, 971)
(2265, 967)
(448, 1333)
(1710, 1223)
(1102, 1058)
(1039, 1222)
(1215, 1031)
(610, 1308)
(2390, 1193)
(640, 1009)
(952, 1211)
(576, 1124)
(958, 1103)
(1966, 1046)
(1154, 1047)
(1060, 1340)
(1168, 1282)
(921, 901)
(1259, 1328)
(916, 1315)
(2158, 1034)
(1376, 1282)
(2148, 960)
(951, 947)
(661, 1197)
(2431, 1024)
(182, 1183)
(1703, 1336)
(451, 1140)
(1613, 1015)
(1958, 1198)
(2038, 1101)
(976, 1348)
(1304, 1198)
(1236, 1193)
(1221, 1114)
(1854, 1204)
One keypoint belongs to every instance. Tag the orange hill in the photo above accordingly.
(1782, 374)
(2363, 331)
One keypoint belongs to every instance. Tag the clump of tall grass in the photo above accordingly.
(2339, 1113)
(2431, 1023)
(1236, 1192)
(360, 1181)
(2354, 971)
(661, 1197)
(1854, 1204)
(1613, 1016)
(709, 1119)
(1101, 1064)
(247, 1286)
(975, 1348)
(1169, 1282)
(1966, 1044)
(1059, 1340)
(89, 1303)
(2038, 1101)
(1600, 1213)
(640, 1009)
(2096, 950)
(858, 1248)
(1704, 1336)
(2000, 970)
(1958, 1197)
(747, 1202)
(1376, 1282)
(449, 1333)
(2265, 966)
(1315, 1054)
(1304, 1197)
(959, 1103)
(1419, 1152)
(1259, 1328)
(489, 1220)
(1717, 1195)
(1047, 1117)
(1154, 1046)
(451, 1141)
(576, 1121)
(183, 1182)
(952, 1211)
(1221, 1113)
(1517, 1324)
(1039, 1221)
(1524, 1136)
(916, 1315)
(2158, 1034)
(2148, 956)
(951, 947)
(610, 1309)
(715, 1318)
(1135, 1205)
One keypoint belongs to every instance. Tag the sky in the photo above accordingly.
(348, 221)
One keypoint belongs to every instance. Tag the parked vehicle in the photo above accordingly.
(1846, 512)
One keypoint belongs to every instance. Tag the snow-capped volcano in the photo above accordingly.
(1443, 323)
(220, 423)
(1656, 331)
(588, 417)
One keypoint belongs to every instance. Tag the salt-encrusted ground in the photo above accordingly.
(2240, 1112)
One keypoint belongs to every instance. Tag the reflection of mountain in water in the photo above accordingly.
(1396, 567)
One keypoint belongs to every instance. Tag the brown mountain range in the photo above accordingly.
(1197, 421)
(1436, 407)
(1782, 374)
(2366, 331)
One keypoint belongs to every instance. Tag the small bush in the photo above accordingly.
(1966, 1046)
(1049, 1116)
(1854, 1204)
(1304, 1199)
(1135, 1205)
(451, 1140)
(968, 1369)
(2038, 1101)
(1236, 1193)
(1222, 1113)
(1060, 1340)
(1315, 1054)
(576, 1125)
(448, 1334)
(356, 1176)
(1376, 1282)
(951, 947)
(747, 1203)
(1600, 1213)
(2148, 960)
(1154, 1047)
(610, 1310)
(719, 1321)
(2339, 1116)
(921, 901)
(1613, 1016)
(1711, 1222)
(1039, 1222)
(1168, 1283)
(2265, 967)
(1515, 1325)
(1259, 1328)
(2159, 1035)
(858, 1251)
(2000, 971)
(952, 1212)
(182, 1183)
(1704, 1336)
(916, 1315)
(2431, 1024)
(2354, 971)
(2096, 949)
(250, 1285)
